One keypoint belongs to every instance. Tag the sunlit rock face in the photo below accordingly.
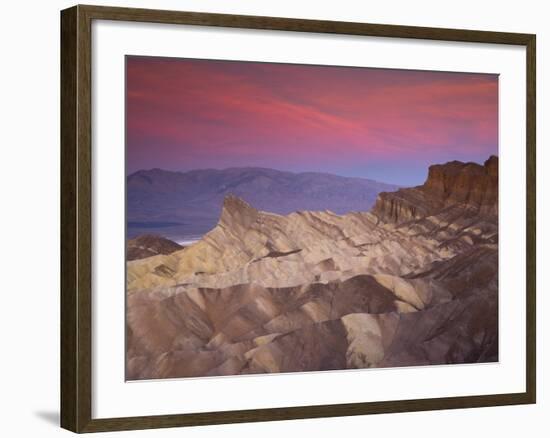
(413, 282)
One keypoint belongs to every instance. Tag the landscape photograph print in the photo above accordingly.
(304, 218)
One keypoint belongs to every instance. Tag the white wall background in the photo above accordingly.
(29, 189)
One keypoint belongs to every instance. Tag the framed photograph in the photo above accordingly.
(271, 218)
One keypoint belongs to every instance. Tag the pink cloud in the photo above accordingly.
(181, 108)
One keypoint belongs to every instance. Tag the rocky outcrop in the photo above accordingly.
(410, 284)
(148, 245)
(469, 184)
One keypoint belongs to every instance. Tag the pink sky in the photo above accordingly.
(388, 125)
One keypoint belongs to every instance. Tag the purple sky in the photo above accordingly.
(388, 125)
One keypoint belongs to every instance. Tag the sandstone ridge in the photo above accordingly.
(406, 285)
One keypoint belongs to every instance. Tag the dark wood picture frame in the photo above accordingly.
(76, 244)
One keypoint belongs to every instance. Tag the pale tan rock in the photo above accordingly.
(415, 282)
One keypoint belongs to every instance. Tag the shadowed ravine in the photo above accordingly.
(412, 282)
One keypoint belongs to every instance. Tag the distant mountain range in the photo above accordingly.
(190, 203)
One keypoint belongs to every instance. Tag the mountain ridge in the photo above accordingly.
(194, 198)
(252, 168)
(355, 290)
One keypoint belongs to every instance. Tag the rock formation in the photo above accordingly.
(158, 200)
(453, 183)
(412, 282)
(148, 245)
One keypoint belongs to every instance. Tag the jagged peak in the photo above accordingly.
(233, 202)
(236, 211)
